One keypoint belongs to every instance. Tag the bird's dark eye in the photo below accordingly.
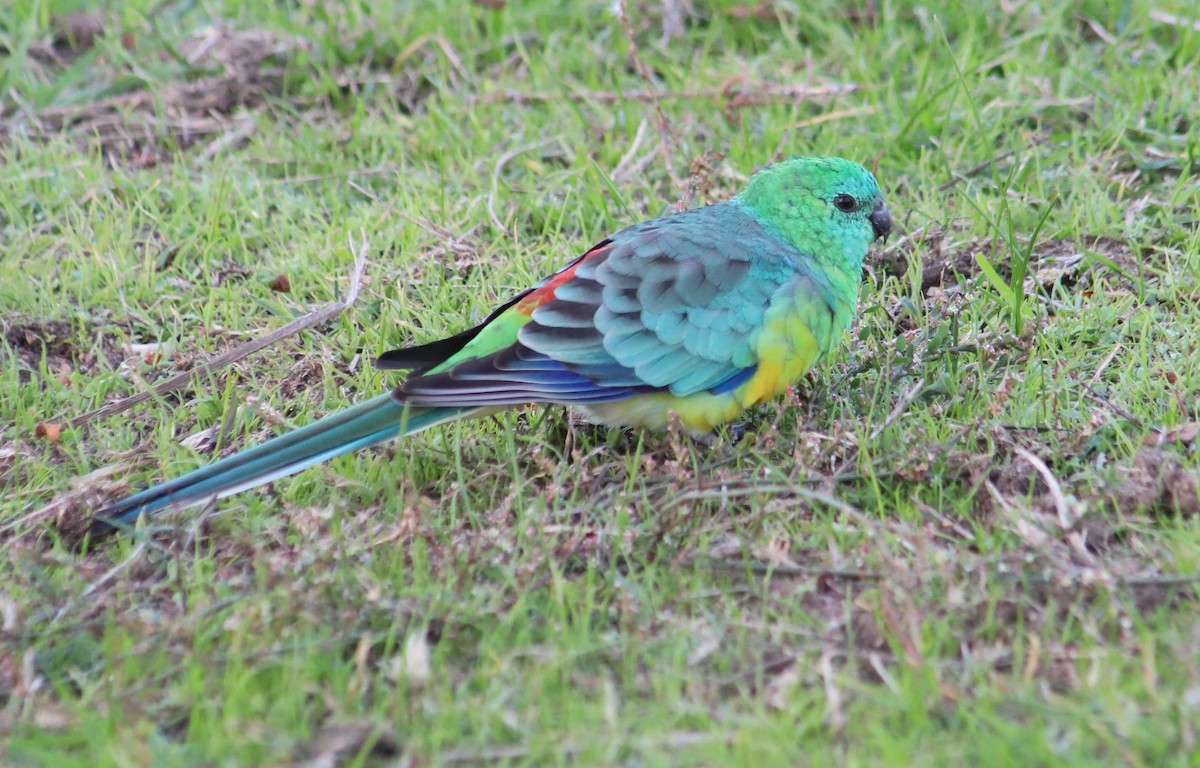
(845, 203)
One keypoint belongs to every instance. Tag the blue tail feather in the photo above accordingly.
(375, 421)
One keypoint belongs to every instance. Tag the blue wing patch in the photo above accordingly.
(735, 381)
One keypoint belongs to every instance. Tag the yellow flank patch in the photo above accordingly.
(767, 382)
(787, 348)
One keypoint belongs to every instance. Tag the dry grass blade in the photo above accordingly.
(666, 136)
(1056, 491)
(499, 169)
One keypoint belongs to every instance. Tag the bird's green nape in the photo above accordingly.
(699, 316)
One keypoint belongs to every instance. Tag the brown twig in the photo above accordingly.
(897, 411)
(975, 169)
(496, 171)
(634, 146)
(1037, 141)
(944, 521)
(454, 242)
(666, 137)
(1102, 400)
(179, 380)
(901, 406)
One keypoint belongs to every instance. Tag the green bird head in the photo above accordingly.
(829, 208)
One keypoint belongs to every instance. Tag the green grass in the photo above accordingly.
(875, 575)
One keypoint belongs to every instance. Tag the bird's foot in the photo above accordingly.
(737, 431)
(731, 434)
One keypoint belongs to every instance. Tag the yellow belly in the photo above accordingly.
(786, 350)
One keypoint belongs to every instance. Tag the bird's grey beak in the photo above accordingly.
(881, 221)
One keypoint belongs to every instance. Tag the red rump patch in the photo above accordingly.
(543, 293)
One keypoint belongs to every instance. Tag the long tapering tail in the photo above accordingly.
(375, 421)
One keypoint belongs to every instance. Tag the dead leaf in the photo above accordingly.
(1184, 434)
(763, 11)
(150, 353)
(51, 717)
(416, 659)
(778, 689)
(79, 31)
(49, 430)
(339, 743)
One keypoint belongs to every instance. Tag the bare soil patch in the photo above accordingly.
(229, 74)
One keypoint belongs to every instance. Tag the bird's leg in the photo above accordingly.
(737, 431)
(727, 433)
(581, 429)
